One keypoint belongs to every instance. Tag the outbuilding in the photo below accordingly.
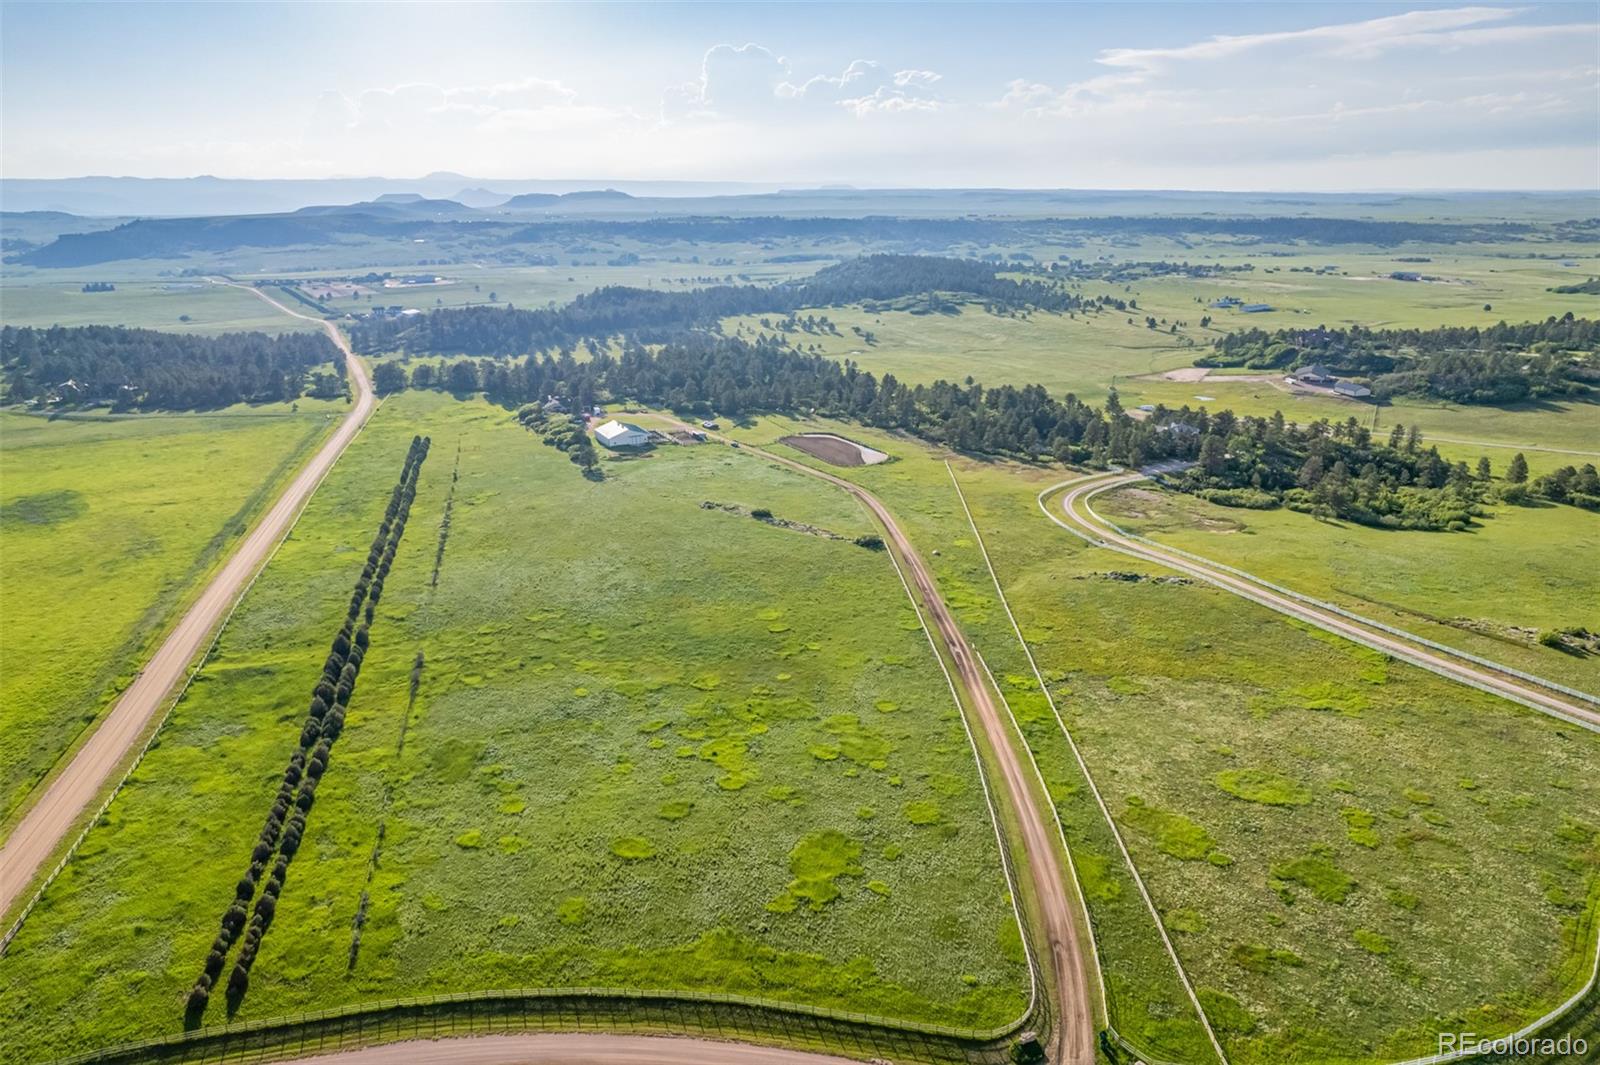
(1351, 389)
(616, 434)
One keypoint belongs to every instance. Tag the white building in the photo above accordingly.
(621, 434)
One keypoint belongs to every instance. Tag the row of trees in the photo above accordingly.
(281, 836)
(1496, 364)
(134, 368)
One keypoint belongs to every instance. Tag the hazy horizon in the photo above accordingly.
(1158, 97)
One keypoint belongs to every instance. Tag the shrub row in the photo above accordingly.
(285, 826)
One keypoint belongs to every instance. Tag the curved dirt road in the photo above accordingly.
(574, 1049)
(58, 808)
(1074, 505)
(1073, 1035)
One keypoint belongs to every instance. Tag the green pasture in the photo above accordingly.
(1349, 853)
(1083, 353)
(107, 526)
(654, 744)
(174, 305)
(1359, 290)
(1490, 590)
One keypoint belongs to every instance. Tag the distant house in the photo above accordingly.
(1256, 308)
(1351, 389)
(1316, 374)
(1226, 301)
(1178, 429)
(614, 434)
(554, 405)
(1147, 407)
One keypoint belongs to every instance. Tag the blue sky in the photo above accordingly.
(1127, 95)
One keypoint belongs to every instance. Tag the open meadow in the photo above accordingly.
(633, 736)
(1490, 590)
(107, 525)
(1348, 854)
(171, 304)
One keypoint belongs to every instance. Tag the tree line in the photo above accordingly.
(653, 315)
(285, 826)
(146, 368)
(1334, 470)
(1501, 363)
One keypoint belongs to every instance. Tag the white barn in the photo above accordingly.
(621, 434)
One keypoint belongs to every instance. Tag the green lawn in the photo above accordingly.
(107, 525)
(1489, 590)
(1349, 853)
(654, 745)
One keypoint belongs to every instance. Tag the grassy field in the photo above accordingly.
(1082, 354)
(1490, 590)
(1349, 854)
(106, 526)
(654, 744)
(177, 305)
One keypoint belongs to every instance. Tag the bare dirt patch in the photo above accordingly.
(835, 449)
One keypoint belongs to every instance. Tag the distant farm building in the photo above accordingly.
(616, 434)
(1256, 308)
(1227, 301)
(1351, 389)
(1316, 374)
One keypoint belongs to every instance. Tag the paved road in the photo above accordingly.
(574, 1049)
(58, 808)
(1073, 1037)
(1082, 519)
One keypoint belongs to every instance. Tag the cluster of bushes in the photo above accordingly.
(1579, 486)
(1333, 470)
(564, 433)
(285, 826)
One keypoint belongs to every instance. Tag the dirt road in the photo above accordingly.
(1073, 1036)
(58, 808)
(574, 1049)
(1082, 519)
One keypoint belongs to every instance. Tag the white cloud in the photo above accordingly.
(751, 81)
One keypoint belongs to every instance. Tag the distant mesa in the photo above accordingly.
(597, 194)
(532, 199)
(396, 204)
(550, 199)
